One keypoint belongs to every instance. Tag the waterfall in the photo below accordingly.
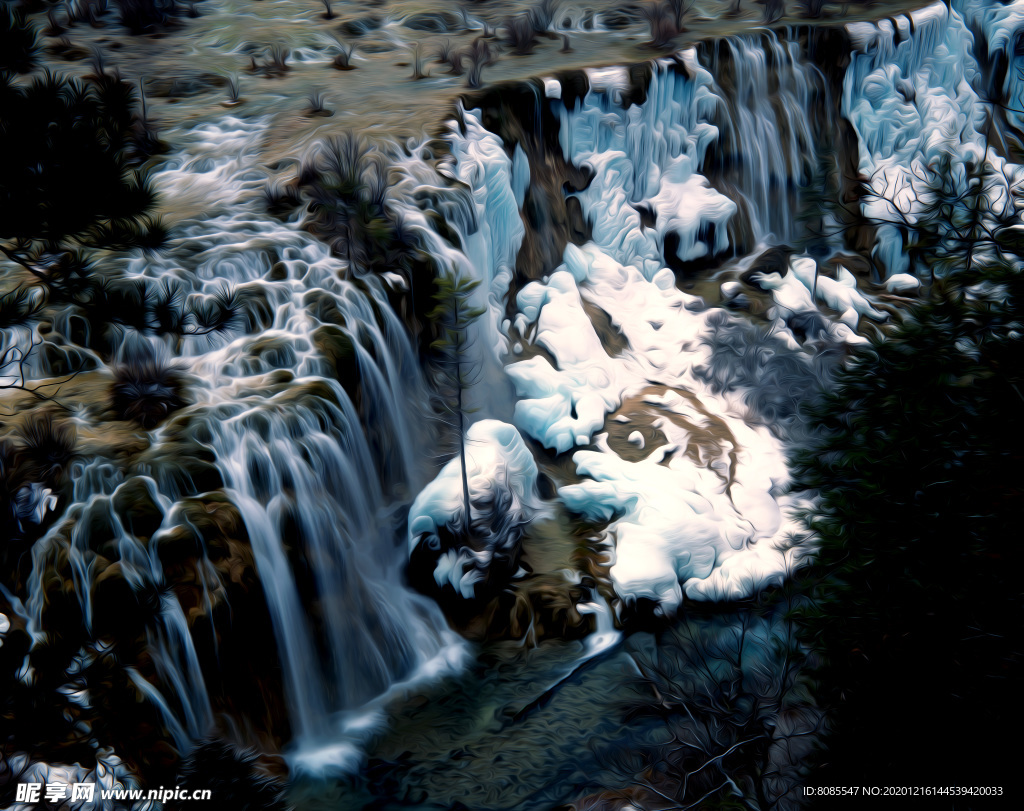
(481, 206)
(768, 147)
(650, 203)
(308, 402)
(738, 116)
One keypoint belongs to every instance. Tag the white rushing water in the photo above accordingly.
(312, 479)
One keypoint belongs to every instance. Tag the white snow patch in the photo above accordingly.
(496, 458)
(674, 517)
(902, 283)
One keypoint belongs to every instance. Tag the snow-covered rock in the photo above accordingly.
(902, 283)
(502, 478)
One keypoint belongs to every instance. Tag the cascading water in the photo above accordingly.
(317, 484)
(767, 147)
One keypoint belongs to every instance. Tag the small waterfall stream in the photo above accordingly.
(768, 147)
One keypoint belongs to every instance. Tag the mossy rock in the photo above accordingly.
(135, 506)
(339, 351)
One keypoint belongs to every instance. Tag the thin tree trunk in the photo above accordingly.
(462, 434)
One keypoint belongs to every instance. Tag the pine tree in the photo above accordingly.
(917, 601)
(73, 182)
(456, 372)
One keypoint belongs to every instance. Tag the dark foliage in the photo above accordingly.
(811, 8)
(542, 15)
(317, 104)
(45, 447)
(444, 52)
(480, 56)
(343, 59)
(276, 64)
(18, 307)
(453, 371)
(773, 9)
(146, 16)
(73, 179)
(417, 63)
(234, 89)
(449, 55)
(519, 33)
(521, 30)
(67, 274)
(36, 457)
(86, 11)
(729, 692)
(18, 45)
(281, 200)
(162, 307)
(666, 20)
(958, 223)
(146, 391)
(663, 30)
(278, 58)
(346, 183)
(917, 600)
(233, 777)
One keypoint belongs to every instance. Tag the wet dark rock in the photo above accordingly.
(339, 352)
(552, 215)
(183, 86)
(95, 524)
(136, 508)
(688, 270)
(117, 610)
(639, 80)
(648, 217)
(773, 260)
(739, 302)
(361, 26)
(182, 462)
(437, 22)
(575, 86)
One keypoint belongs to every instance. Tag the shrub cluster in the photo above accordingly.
(76, 178)
(346, 184)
